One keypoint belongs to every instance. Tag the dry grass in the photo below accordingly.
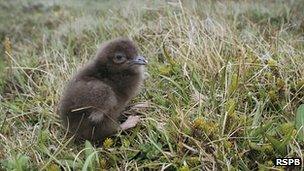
(224, 82)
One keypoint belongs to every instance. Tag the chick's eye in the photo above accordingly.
(119, 58)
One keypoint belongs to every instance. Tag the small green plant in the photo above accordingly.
(20, 162)
(91, 162)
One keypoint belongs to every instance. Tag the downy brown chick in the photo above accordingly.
(95, 97)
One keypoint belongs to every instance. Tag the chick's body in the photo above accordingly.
(95, 97)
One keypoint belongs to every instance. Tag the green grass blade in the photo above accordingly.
(299, 122)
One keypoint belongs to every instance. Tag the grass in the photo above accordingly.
(224, 83)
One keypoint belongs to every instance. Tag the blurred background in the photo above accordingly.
(224, 86)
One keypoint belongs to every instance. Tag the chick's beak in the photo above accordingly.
(139, 60)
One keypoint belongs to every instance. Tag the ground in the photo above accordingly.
(223, 87)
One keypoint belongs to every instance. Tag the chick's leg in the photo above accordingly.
(130, 122)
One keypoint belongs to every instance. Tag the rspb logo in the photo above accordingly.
(288, 162)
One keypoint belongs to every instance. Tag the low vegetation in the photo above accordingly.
(224, 86)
